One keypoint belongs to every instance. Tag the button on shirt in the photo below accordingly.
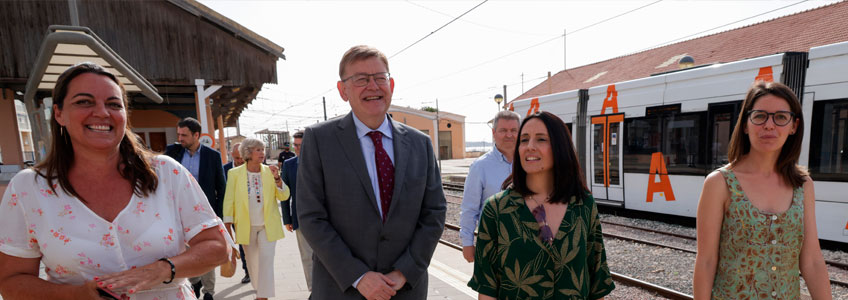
(485, 177)
(368, 152)
(370, 162)
(192, 162)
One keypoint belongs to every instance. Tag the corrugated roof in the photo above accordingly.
(797, 32)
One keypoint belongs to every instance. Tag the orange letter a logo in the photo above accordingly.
(664, 185)
(611, 100)
(766, 74)
(533, 104)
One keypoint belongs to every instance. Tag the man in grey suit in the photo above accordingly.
(370, 199)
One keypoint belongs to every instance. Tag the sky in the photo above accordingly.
(462, 52)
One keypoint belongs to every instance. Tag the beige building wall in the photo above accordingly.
(451, 126)
(157, 128)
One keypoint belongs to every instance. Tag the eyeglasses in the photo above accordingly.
(360, 80)
(545, 233)
(780, 118)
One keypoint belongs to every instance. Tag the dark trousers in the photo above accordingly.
(243, 262)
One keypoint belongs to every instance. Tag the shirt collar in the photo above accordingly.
(363, 130)
(499, 154)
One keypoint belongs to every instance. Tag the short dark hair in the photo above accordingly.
(787, 160)
(191, 123)
(360, 52)
(298, 135)
(568, 177)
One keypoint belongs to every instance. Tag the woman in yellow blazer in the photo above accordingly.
(251, 203)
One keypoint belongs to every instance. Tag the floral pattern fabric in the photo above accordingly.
(75, 244)
(759, 252)
(512, 262)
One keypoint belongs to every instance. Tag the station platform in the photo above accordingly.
(449, 274)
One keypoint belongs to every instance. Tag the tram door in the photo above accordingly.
(606, 163)
(722, 118)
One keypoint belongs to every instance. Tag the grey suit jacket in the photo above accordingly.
(338, 212)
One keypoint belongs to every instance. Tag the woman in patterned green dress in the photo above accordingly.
(756, 216)
(541, 238)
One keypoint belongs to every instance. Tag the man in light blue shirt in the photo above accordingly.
(486, 176)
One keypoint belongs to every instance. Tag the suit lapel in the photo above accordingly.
(346, 135)
(401, 148)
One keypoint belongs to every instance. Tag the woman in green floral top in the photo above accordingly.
(756, 216)
(541, 238)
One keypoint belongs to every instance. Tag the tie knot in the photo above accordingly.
(376, 136)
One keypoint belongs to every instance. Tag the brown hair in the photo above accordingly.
(134, 164)
(787, 160)
(568, 176)
(360, 52)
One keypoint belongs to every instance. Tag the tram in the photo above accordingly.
(648, 144)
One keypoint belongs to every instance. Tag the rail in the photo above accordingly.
(659, 290)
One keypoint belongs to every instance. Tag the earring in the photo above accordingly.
(61, 130)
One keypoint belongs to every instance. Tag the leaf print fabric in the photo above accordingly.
(512, 262)
(759, 252)
(75, 244)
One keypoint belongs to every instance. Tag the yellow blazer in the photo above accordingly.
(236, 206)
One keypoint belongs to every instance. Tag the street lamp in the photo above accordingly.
(498, 100)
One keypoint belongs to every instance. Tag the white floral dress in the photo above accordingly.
(75, 244)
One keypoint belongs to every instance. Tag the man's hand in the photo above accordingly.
(289, 227)
(375, 285)
(398, 278)
(468, 253)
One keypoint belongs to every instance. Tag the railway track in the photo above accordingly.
(627, 280)
(833, 263)
(460, 187)
(651, 243)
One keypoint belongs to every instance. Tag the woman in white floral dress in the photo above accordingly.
(102, 212)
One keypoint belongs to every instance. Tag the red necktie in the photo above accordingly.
(385, 172)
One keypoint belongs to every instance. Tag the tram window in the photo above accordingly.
(684, 138)
(642, 138)
(829, 141)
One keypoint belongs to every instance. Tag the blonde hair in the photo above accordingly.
(248, 145)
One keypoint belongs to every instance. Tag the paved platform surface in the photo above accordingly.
(449, 274)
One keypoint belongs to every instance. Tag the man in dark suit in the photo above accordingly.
(290, 209)
(370, 199)
(204, 164)
(236, 161)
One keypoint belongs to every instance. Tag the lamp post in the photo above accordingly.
(498, 100)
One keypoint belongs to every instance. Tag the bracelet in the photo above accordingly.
(173, 270)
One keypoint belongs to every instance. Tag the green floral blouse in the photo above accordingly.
(759, 252)
(512, 262)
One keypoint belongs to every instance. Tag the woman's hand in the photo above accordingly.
(138, 279)
(87, 291)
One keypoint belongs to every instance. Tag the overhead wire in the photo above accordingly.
(725, 25)
(475, 23)
(480, 64)
(440, 28)
(534, 45)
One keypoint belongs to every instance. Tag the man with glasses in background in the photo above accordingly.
(370, 199)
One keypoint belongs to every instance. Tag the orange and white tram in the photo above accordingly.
(647, 144)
